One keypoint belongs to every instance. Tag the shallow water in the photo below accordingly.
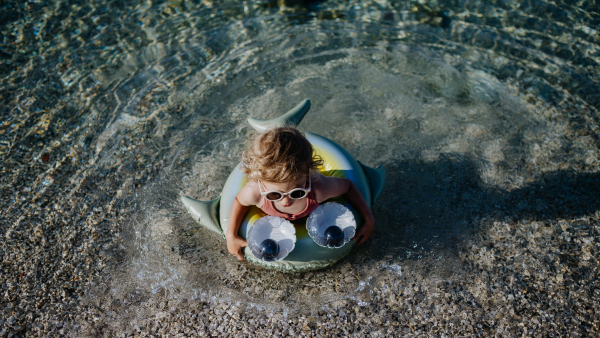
(112, 112)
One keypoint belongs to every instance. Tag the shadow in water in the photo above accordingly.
(434, 205)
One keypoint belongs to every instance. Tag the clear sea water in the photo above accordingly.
(468, 104)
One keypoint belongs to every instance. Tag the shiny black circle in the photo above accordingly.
(334, 236)
(269, 249)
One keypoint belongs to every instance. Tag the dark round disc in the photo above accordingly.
(334, 236)
(269, 249)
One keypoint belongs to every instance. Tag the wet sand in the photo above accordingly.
(507, 277)
(528, 268)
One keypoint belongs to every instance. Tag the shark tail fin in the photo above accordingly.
(206, 213)
(376, 179)
(293, 117)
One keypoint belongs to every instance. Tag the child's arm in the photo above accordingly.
(234, 242)
(241, 203)
(329, 187)
(358, 202)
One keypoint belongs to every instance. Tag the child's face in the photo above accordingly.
(286, 201)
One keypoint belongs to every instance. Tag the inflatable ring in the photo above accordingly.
(307, 255)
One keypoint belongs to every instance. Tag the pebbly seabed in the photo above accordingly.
(485, 116)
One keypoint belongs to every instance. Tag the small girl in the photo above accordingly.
(283, 181)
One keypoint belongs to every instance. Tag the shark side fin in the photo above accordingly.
(293, 117)
(376, 179)
(206, 213)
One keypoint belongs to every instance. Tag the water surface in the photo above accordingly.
(485, 115)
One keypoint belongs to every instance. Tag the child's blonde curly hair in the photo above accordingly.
(280, 155)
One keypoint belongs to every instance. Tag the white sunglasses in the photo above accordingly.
(295, 194)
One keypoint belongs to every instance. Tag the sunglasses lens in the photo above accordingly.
(273, 196)
(298, 194)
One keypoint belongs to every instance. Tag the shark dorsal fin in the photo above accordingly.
(291, 118)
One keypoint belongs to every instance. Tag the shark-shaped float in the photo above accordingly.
(306, 255)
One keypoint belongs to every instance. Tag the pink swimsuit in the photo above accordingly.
(311, 205)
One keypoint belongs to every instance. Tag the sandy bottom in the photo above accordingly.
(485, 118)
(507, 277)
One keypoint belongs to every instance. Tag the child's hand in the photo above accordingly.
(365, 231)
(235, 245)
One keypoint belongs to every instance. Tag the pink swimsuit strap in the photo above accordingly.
(311, 204)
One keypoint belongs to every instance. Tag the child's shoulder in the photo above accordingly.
(249, 194)
(324, 181)
(327, 187)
